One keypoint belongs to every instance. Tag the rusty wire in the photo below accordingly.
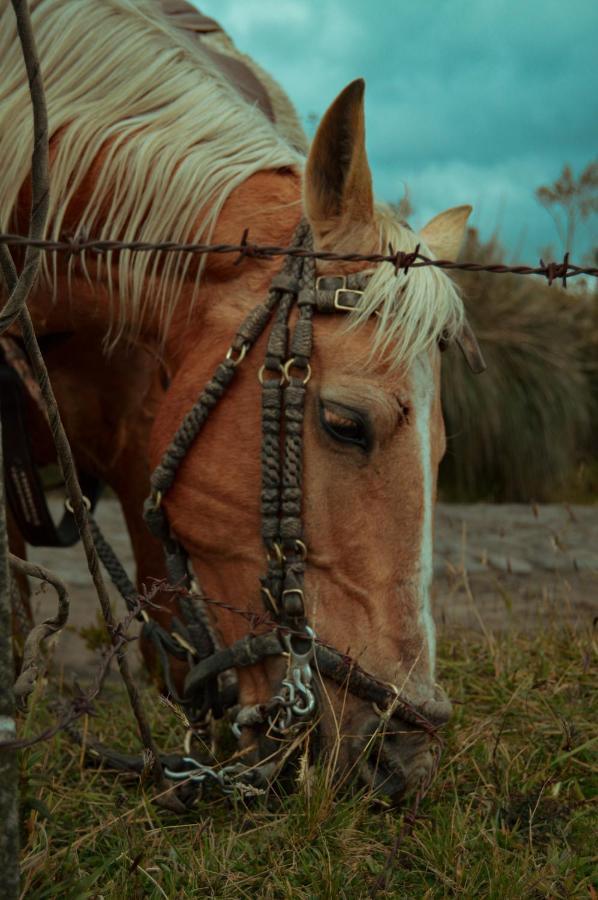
(82, 703)
(400, 259)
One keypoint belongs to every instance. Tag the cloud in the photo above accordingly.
(466, 101)
(499, 193)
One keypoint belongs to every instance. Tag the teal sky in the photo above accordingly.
(468, 101)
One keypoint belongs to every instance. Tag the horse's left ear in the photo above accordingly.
(338, 182)
(445, 232)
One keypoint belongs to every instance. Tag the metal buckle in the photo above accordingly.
(340, 279)
(342, 307)
(301, 603)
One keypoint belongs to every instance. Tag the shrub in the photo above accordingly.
(521, 430)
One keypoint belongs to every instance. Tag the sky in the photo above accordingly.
(467, 101)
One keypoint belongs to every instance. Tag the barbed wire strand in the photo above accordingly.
(400, 259)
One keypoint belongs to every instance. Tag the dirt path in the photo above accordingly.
(494, 565)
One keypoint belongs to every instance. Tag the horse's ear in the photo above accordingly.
(445, 232)
(338, 182)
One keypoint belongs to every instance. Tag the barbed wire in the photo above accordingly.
(245, 249)
(82, 703)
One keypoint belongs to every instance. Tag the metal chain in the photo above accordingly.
(296, 700)
(229, 779)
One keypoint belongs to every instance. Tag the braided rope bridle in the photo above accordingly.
(283, 376)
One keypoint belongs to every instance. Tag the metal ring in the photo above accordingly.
(393, 688)
(157, 500)
(278, 553)
(262, 370)
(288, 366)
(302, 547)
(242, 353)
(69, 506)
(271, 599)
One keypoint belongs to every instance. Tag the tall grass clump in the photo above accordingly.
(510, 815)
(521, 430)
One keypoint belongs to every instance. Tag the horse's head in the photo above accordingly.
(373, 439)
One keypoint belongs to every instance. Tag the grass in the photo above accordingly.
(510, 814)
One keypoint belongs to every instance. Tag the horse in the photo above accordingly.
(150, 139)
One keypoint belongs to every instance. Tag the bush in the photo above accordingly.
(521, 430)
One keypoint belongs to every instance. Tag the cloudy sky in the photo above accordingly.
(467, 101)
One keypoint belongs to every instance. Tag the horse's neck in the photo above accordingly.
(268, 204)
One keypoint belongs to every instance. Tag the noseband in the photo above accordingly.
(283, 377)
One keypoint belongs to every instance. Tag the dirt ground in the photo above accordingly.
(494, 566)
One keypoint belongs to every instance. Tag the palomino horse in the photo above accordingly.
(151, 141)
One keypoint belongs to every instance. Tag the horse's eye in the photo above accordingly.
(345, 425)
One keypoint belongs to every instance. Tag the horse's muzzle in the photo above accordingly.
(396, 759)
(395, 756)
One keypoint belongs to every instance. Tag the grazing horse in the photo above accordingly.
(150, 139)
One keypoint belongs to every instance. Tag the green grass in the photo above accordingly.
(512, 813)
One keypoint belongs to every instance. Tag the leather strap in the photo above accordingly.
(24, 489)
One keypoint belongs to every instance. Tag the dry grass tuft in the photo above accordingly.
(510, 814)
(521, 430)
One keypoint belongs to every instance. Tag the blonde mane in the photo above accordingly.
(177, 138)
(120, 78)
(414, 309)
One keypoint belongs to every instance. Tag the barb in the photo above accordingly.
(403, 260)
(400, 259)
(557, 270)
(245, 249)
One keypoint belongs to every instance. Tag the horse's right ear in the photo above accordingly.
(338, 182)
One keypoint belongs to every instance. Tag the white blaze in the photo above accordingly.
(423, 392)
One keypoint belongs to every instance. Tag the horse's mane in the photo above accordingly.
(122, 79)
(415, 308)
(178, 138)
